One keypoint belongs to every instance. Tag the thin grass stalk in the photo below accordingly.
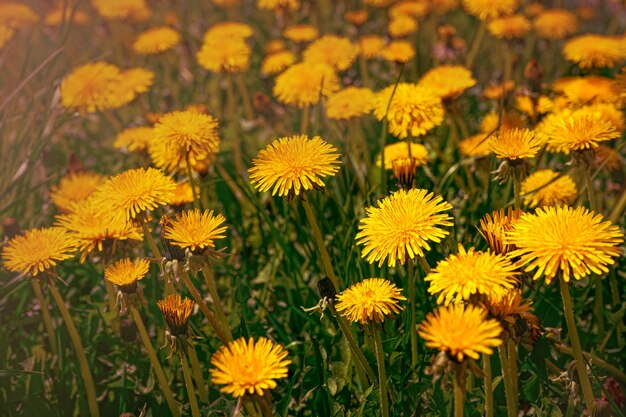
(412, 330)
(577, 350)
(45, 315)
(619, 207)
(363, 70)
(85, 371)
(460, 372)
(517, 189)
(383, 135)
(512, 351)
(193, 401)
(213, 322)
(596, 361)
(192, 183)
(478, 39)
(196, 371)
(111, 301)
(488, 385)
(245, 96)
(382, 376)
(151, 242)
(232, 117)
(511, 400)
(156, 365)
(304, 122)
(207, 272)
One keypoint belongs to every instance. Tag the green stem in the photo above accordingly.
(151, 242)
(460, 371)
(590, 192)
(193, 402)
(80, 351)
(488, 385)
(596, 360)
(207, 271)
(45, 315)
(478, 39)
(517, 189)
(412, 330)
(192, 183)
(245, 97)
(383, 135)
(232, 115)
(577, 350)
(512, 351)
(304, 123)
(344, 326)
(196, 371)
(511, 401)
(618, 209)
(111, 301)
(382, 377)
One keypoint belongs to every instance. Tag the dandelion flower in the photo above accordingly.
(224, 54)
(542, 188)
(194, 229)
(515, 144)
(555, 24)
(156, 40)
(412, 8)
(471, 273)
(132, 10)
(291, 164)
(57, 18)
(356, 17)
(349, 103)
(447, 81)
(475, 145)
(494, 121)
(125, 273)
(6, 34)
(182, 134)
(496, 91)
(275, 45)
(301, 33)
(335, 51)
(493, 228)
(90, 87)
(591, 89)
(176, 311)
(525, 104)
(38, 250)
(370, 301)
(249, 367)
(461, 331)
(595, 51)
(413, 110)
(400, 150)
(509, 27)
(507, 308)
(302, 84)
(401, 25)
(134, 139)
(183, 194)
(572, 242)
(371, 45)
(132, 82)
(277, 62)
(278, 5)
(489, 9)
(579, 131)
(131, 193)
(17, 15)
(73, 188)
(398, 51)
(442, 7)
(402, 225)
(228, 29)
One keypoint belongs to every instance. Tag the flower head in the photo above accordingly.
(370, 301)
(489, 9)
(401, 25)
(156, 40)
(402, 225)
(194, 229)
(293, 163)
(224, 54)
(125, 273)
(135, 139)
(183, 194)
(56, 17)
(508, 307)
(475, 145)
(301, 33)
(513, 26)
(400, 150)
(370, 46)
(399, 51)
(350, 102)
(278, 5)
(6, 34)
(176, 311)
(249, 367)
(588, 90)
(413, 8)
(73, 188)
(228, 29)
(547, 188)
(566, 241)
(555, 24)
(578, 130)
(17, 15)
(38, 250)
(302, 84)
(132, 10)
(515, 144)
(448, 81)
(461, 331)
(337, 52)
(493, 228)
(595, 51)
(277, 62)
(495, 91)
(471, 273)
(413, 110)
(132, 192)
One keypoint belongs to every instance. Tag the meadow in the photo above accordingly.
(312, 208)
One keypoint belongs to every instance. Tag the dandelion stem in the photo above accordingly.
(245, 97)
(511, 401)
(512, 351)
(151, 242)
(304, 123)
(263, 404)
(80, 351)
(460, 371)
(383, 135)
(517, 189)
(319, 240)
(596, 360)
(111, 301)
(589, 183)
(382, 377)
(156, 365)
(488, 385)
(192, 183)
(197, 375)
(232, 116)
(412, 330)
(577, 351)
(207, 271)
(193, 402)
(45, 314)
(478, 39)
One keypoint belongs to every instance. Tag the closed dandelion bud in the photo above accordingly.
(601, 408)
(128, 331)
(404, 171)
(326, 289)
(176, 311)
(533, 73)
(11, 227)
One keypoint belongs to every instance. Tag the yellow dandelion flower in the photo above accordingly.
(471, 273)
(587, 90)
(398, 51)
(493, 228)
(607, 158)
(278, 5)
(350, 102)
(249, 367)
(441, 7)
(370, 301)
(230, 54)
(401, 25)
(513, 26)
(183, 134)
(555, 24)
(580, 130)
(494, 121)
(461, 331)
(402, 225)
(228, 29)
(489, 9)
(156, 40)
(134, 139)
(565, 241)
(90, 87)
(595, 51)
(133, 82)
(448, 81)
(183, 194)
(125, 273)
(546, 188)
(606, 111)
(475, 145)
(275, 45)
(194, 229)
(414, 110)
(370, 46)
(277, 62)
(413, 8)
(302, 84)
(400, 150)
(132, 192)
(57, 18)
(507, 308)
(301, 33)
(515, 144)
(38, 250)
(6, 34)
(496, 91)
(294, 163)
(176, 311)
(17, 15)
(335, 51)
(227, 4)
(132, 10)
(525, 104)
(73, 188)
(92, 229)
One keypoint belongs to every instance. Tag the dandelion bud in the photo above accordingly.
(533, 73)
(11, 227)
(601, 408)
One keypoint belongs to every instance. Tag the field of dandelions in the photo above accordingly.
(312, 208)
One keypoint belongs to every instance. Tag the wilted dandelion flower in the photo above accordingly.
(400, 150)
(176, 311)
(350, 102)
(475, 145)
(513, 144)
(469, 274)
(579, 131)
(335, 51)
(134, 139)
(133, 10)
(489, 9)
(401, 25)
(291, 164)
(402, 225)
(447, 81)
(249, 367)
(370, 46)
(564, 240)
(17, 15)
(38, 250)
(125, 273)
(195, 230)
(156, 40)
(224, 54)
(493, 228)
(301, 33)
(131, 193)
(302, 84)
(595, 51)
(183, 134)
(74, 187)
(555, 24)
(370, 301)
(398, 51)
(277, 62)
(228, 29)
(509, 27)
(543, 189)
(508, 307)
(461, 331)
